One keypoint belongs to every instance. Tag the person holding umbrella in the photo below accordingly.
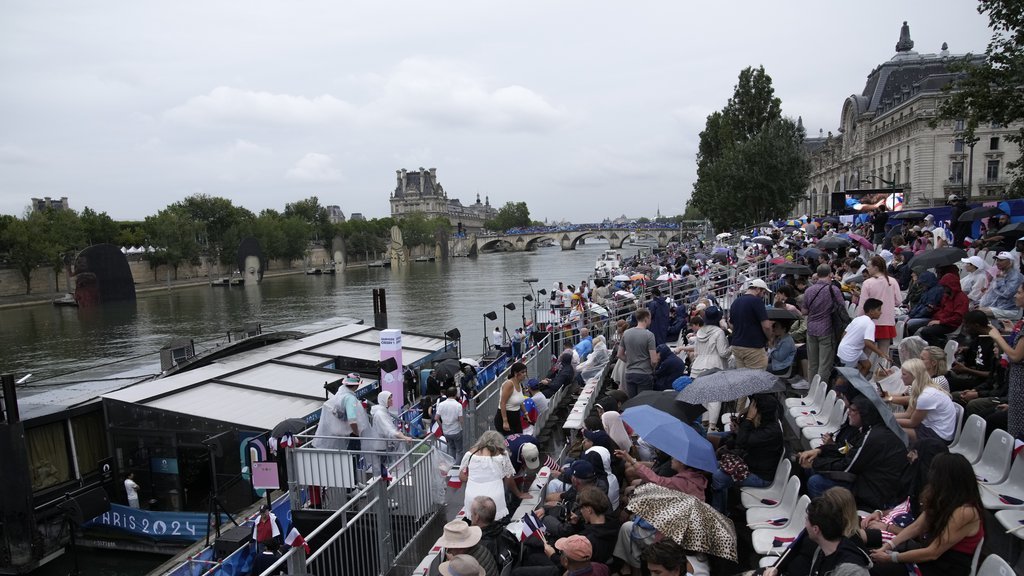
(686, 480)
(759, 434)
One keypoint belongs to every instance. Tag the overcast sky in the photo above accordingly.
(582, 109)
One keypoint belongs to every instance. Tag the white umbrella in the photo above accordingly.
(724, 235)
(625, 294)
(621, 278)
(597, 309)
(470, 362)
(669, 276)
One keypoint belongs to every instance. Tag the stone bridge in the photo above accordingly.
(568, 239)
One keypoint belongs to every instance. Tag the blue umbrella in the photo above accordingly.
(670, 435)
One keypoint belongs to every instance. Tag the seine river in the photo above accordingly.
(56, 344)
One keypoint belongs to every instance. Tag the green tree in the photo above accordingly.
(172, 234)
(296, 234)
(511, 215)
(418, 230)
(311, 212)
(990, 91)
(750, 162)
(28, 245)
(98, 227)
(213, 216)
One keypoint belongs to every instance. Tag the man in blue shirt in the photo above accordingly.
(998, 299)
(751, 328)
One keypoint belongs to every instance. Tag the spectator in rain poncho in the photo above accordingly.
(922, 312)
(383, 429)
(596, 361)
(975, 282)
(342, 416)
(612, 422)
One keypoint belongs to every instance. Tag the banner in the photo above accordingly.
(189, 526)
(391, 347)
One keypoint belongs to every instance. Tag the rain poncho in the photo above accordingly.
(334, 420)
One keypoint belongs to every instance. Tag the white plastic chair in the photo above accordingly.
(972, 441)
(1012, 520)
(994, 465)
(774, 540)
(814, 394)
(754, 497)
(831, 424)
(826, 401)
(790, 491)
(959, 422)
(830, 414)
(992, 566)
(951, 348)
(775, 516)
(1012, 487)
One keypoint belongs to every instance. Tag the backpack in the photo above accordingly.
(506, 548)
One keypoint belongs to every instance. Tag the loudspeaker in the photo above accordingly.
(86, 505)
(231, 540)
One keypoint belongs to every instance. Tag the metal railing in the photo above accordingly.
(382, 527)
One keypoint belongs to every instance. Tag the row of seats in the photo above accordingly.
(1000, 476)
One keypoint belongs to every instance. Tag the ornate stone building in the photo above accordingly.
(421, 192)
(885, 143)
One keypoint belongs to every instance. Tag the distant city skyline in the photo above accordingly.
(580, 109)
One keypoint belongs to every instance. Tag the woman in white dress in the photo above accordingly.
(486, 470)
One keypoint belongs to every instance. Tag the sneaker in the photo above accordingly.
(801, 384)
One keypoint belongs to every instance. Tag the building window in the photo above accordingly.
(992, 171)
(993, 143)
(906, 179)
(897, 155)
(896, 177)
(959, 125)
(956, 172)
(958, 145)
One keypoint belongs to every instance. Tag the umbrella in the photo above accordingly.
(670, 435)
(794, 269)
(638, 276)
(861, 240)
(597, 309)
(908, 215)
(666, 402)
(720, 257)
(724, 235)
(620, 278)
(830, 219)
(700, 256)
(937, 257)
(763, 240)
(1015, 230)
(290, 426)
(692, 524)
(812, 253)
(624, 294)
(833, 243)
(470, 362)
(781, 314)
(669, 276)
(870, 391)
(979, 213)
(727, 385)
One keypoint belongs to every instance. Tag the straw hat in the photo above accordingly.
(458, 534)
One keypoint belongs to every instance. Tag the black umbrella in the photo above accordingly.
(937, 257)
(447, 369)
(979, 213)
(1015, 230)
(290, 426)
(830, 219)
(763, 240)
(908, 215)
(812, 253)
(833, 243)
(790, 268)
(781, 314)
(870, 391)
(666, 402)
(720, 257)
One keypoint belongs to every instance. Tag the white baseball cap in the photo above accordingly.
(1004, 256)
(530, 456)
(758, 283)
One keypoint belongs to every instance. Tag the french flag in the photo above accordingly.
(384, 474)
(294, 539)
(435, 429)
(531, 525)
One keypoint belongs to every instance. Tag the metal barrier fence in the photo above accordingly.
(482, 407)
(382, 527)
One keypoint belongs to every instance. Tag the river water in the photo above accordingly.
(56, 344)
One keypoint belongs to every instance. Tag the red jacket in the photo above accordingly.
(954, 302)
